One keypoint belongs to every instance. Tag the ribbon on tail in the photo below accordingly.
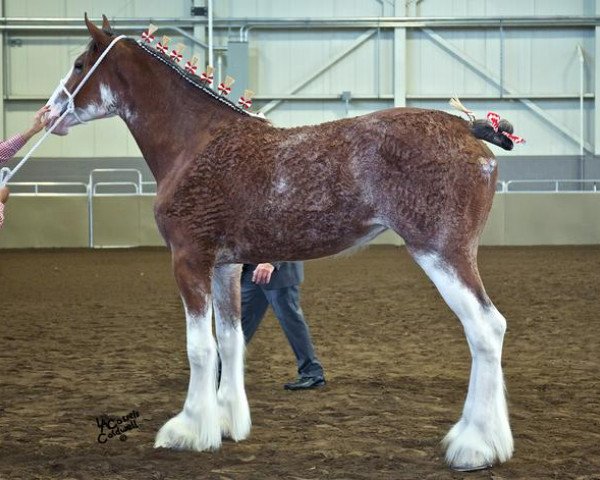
(513, 137)
(494, 119)
(457, 104)
(1, 214)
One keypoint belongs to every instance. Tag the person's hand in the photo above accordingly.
(262, 273)
(40, 119)
(4, 194)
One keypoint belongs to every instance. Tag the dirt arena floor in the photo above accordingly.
(85, 333)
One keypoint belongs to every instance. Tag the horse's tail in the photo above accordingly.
(484, 130)
(493, 129)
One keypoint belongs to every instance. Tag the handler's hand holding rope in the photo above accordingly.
(10, 147)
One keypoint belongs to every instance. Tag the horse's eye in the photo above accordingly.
(79, 67)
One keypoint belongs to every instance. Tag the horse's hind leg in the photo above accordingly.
(196, 427)
(233, 404)
(483, 434)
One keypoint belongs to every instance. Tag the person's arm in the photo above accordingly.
(4, 193)
(10, 147)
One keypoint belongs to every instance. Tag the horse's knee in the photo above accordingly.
(487, 334)
(497, 321)
(201, 349)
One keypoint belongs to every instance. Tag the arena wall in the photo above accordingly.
(123, 221)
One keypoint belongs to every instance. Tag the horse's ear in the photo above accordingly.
(100, 38)
(106, 25)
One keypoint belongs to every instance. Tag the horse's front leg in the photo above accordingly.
(233, 404)
(196, 427)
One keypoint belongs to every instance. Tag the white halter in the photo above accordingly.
(6, 173)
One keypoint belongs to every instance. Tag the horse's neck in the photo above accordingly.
(171, 121)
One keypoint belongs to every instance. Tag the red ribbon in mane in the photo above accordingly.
(175, 55)
(224, 89)
(162, 48)
(494, 119)
(146, 37)
(207, 78)
(190, 68)
(245, 102)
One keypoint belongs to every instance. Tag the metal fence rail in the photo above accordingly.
(34, 188)
(556, 186)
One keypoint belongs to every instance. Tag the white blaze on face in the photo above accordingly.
(108, 99)
(104, 108)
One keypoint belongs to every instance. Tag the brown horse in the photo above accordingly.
(234, 189)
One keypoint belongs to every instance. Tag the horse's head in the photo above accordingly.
(96, 98)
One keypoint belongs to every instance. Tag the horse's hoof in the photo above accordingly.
(184, 433)
(470, 468)
(234, 417)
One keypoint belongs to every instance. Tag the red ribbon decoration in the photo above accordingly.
(162, 48)
(207, 78)
(224, 89)
(146, 37)
(175, 55)
(514, 138)
(494, 119)
(190, 68)
(245, 102)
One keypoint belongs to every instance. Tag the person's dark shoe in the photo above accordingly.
(305, 383)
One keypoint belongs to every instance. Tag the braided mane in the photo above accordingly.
(190, 78)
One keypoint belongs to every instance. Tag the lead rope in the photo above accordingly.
(6, 173)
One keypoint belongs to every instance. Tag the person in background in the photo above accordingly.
(10, 147)
(278, 285)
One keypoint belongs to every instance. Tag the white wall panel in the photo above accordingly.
(282, 59)
(37, 63)
(311, 112)
(433, 70)
(536, 61)
(546, 61)
(95, 8)
(296, 8)
(475, 8)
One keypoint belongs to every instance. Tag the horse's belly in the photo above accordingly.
(280, 244)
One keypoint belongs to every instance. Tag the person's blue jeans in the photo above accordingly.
(285, 303)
